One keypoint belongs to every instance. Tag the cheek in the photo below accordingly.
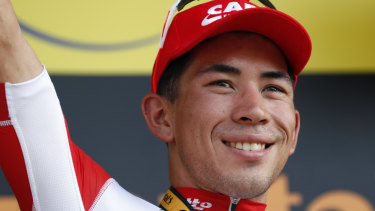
(283, 115)
(197, 116)
(206, 106)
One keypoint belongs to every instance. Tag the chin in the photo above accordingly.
(245, 188)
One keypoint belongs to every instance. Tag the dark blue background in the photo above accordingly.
(335, 150)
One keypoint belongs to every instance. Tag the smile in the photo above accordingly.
(247, 146)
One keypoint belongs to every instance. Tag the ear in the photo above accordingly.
(156, 112)
(296, 132)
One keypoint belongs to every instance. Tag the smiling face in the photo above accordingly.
(233, 124)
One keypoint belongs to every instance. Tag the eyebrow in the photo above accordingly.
(277, 75)
(223, 68)
(220, 68)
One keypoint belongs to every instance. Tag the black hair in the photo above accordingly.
(169, 81)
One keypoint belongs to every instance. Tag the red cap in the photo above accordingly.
(193, 25)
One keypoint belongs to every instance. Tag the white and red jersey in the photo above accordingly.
(45, 169)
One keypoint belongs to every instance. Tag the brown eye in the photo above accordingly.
(274, 89)
(222, 83)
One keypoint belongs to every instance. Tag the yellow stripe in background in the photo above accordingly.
(342, 33)
(8, 203)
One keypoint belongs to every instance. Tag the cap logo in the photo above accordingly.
(216, 12)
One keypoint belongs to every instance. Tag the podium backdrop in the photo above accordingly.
(100, 54)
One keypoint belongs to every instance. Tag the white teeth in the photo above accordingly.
(247, 146)
(255, 146)
(238, 145)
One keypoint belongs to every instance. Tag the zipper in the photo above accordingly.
(233, 203)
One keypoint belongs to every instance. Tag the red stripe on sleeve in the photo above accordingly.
(11, 158)
(4, 114)
(90, 175)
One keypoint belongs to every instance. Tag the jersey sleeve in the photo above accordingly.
(45, 169)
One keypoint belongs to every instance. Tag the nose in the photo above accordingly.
(250, 107)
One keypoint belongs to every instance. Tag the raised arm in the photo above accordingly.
(45, 169)
(18, 62)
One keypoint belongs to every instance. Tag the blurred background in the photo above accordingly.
(100, 55)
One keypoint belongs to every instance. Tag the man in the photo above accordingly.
(225, 108)
(222, 99)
